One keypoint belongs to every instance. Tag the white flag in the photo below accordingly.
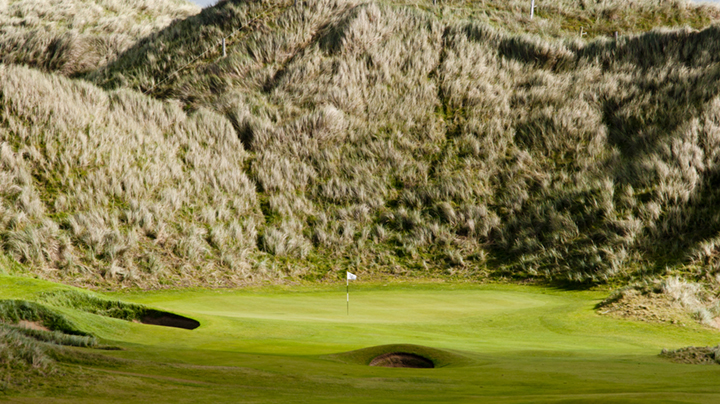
(351, 277)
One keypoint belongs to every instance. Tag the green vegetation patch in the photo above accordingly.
(15, 311)
(20, 352)
(55, 337)
(32, 338)
(489, 343)
(93, 304)
(115, 309)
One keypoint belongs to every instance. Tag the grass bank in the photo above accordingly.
(391, 137)
(499, 343)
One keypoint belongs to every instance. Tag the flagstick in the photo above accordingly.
(347, 289)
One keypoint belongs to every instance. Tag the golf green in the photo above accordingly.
(493, 343)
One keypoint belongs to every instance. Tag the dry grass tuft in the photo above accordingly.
(78, 36)
(116, 185)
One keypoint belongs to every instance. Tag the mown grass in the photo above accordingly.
(502, 343)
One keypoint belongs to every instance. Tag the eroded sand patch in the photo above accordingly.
(402, 360)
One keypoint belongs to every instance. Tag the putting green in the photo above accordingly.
(504, 344)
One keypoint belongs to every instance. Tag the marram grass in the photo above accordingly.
(383, 137)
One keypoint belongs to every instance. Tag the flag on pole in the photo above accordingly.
(349, 277)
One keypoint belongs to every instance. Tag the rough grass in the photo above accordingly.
(31, 358)
(25, 352)
(93, 304)
(21, 352)
(380, 137)
(78, 36)
(13, 311)
(56, 337)
(100, 186)
(671, 300)
(477, 142)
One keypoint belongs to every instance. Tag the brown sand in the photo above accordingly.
(402, 360)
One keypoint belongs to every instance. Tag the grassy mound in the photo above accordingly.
(100, 186)
(384, 137)
(437, 357)
(30, 358)
(78, 36)
(115, 309)
(20, 352)
(93, 304)
(32, 340)
(53, 337)
(671, 300)
(14, 311)
(473, 145)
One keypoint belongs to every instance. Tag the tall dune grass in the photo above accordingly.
(383, 136)
(118, 186)
(77, 36)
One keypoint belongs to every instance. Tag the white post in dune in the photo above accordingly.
(349, 277)
(532, 9)
(223, 47)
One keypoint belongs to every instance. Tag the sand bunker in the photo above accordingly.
(402, 355)
(402, 360)
(154, 317)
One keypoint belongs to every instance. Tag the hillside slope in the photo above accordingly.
(119, 186)
(77, 36)
(382, 137)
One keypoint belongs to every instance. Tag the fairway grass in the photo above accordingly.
(494, 343)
